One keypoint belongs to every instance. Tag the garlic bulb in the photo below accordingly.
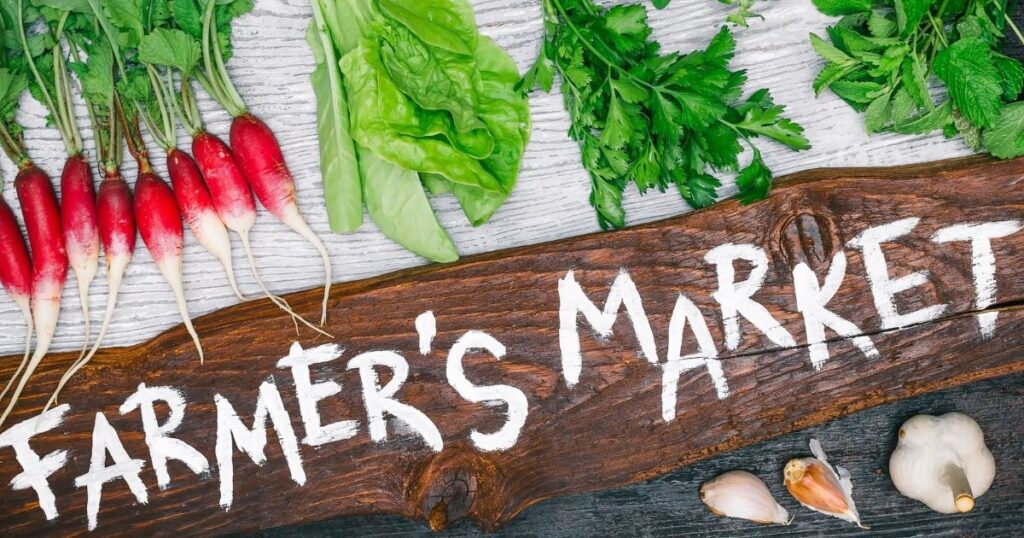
(942, 462)
(814, 483)
(742, 495)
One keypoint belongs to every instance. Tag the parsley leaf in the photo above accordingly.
(649, 118)
(754, 181)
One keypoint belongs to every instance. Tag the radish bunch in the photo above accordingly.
(128, 78)
(48, 235)
(255, 148)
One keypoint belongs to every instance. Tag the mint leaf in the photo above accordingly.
(878, 113)
(829, 52)
(972, 79)
(1011, 75)
(909, 14)
(881, 26)
(915, 81)
(836, 8)
(937, 118)
(863, 92)
(1005, 139)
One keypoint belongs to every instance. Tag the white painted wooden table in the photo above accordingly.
(271, 68)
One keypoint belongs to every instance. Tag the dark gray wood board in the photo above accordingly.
(670, 506)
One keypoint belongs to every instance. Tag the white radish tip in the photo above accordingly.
(281, 303)
(45, 313)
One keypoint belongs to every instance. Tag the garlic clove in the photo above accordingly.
(742, 495)
(814, 483)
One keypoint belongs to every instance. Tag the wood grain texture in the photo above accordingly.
(670, 505)
(605, 432)
(271, 67)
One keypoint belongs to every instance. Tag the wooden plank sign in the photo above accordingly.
(479, 388)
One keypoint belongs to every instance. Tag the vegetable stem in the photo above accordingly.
(217, 82)
(55, 106)
(959, 487)
(13, 148)
(1013, 26)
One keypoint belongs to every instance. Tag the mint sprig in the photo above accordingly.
(884, 58)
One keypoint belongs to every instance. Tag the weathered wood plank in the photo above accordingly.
(606, 431)
(670, 506)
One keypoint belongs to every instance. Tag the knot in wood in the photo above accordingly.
(808, 238)
(449, 497)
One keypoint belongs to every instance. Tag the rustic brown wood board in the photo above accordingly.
(614, 424)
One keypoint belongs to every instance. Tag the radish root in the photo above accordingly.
(229, 269)
(84, 281)
(297, 223)
(45, 311)
(115, 274)
(280, 302)
(171, 270)
(27, 311)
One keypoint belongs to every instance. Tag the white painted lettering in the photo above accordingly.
(380, 400)
(162, 447)
(512, 397)
(735, 297)
(884, 289)
(105, 441)
(983, 262)
(707, 356)
(36, 470)
(573, 300)
(426, 327)
(231, 432)
(310, 394)
(811, 300)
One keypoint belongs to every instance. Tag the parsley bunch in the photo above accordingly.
(654, 119)
(882, 56)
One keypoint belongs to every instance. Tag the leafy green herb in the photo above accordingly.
(744, 11)
(654, 119)
(14, 80)
(882, 58)
(421, 101)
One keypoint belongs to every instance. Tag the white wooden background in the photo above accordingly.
(271, 68)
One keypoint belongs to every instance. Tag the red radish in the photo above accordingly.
(255, 153)
(81, 234)
(117, 231)
(231, 193)
(261, 161)
(199, 212)
(159, 220)
(158, 217)
(41, 212)
(233, 200)
(15, 276)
